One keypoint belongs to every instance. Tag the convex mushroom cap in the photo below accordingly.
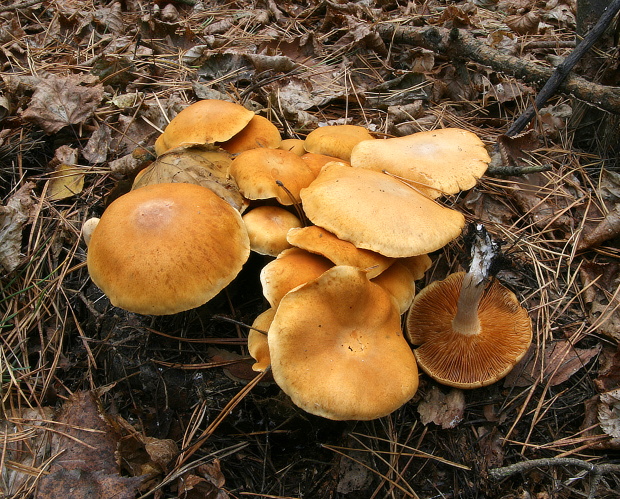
(377, 212)
(448, 160)
(166, 248)
(268, 227)
(337, 348)
(468, 357)
(322, 242)
(204, 122)
(336, 140)
(258, 173)
(259, 132)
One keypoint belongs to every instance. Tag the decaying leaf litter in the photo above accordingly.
(86, 90)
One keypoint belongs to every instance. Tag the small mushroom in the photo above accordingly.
(271, 173)
(337, 348)
(290, 269)
(257, 340)
(267, 227)
(207, 121)
(166, 248)
(259, 132)
(336, 140)
(322, 242)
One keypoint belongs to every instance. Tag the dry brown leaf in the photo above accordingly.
(491, 444)
(608, 228)
(65, 181)
(442, 409)
(609, 415)
(609, 369)
(96, 149)
(61, 101)
(13, 217)
(524, 24)
(205, 482)
(85, 445)
(602, 284)
(559, 362)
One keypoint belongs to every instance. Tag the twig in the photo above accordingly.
(458, 44)
(19, 5)
(597, 470)
(563, 70)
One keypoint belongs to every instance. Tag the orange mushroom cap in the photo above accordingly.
(337, 348)
(166, 248)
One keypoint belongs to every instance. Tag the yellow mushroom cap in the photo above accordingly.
(257, 172)
(204, 122)
(399, 282)
(267, 227)
(318, 240)
(259, 132)
(257, 340)
(316, 162)
(295, 146)
(337, 348)
(468, 361)
(166, 248)
(448, 160)
(290, 269)
(336, 140)
(377, 212)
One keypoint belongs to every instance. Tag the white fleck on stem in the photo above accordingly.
(484, 251)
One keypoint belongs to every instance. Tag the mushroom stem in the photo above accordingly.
(484, 252)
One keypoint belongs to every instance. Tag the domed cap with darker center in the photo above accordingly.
(166, 248)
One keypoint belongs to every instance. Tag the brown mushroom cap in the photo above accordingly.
(204, 122)
(257, 340)
(336, 140)
(290, 269)
(337, 348)
(468, 361)
(259, 132)
(267, 227)
(448, 160)
(318, 240)
(377, 212)
(257, 172)
(166, 248)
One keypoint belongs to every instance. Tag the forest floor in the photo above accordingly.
(168, 406)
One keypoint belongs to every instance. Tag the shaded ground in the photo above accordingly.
(86, 83)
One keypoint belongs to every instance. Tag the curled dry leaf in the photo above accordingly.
(61, 101)
(445, 410)
(608, 228)
(65, 181)
(13, 217)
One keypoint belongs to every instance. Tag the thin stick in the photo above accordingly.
(562, 70)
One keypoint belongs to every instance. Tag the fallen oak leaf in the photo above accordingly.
(61, 101)
(13, 217)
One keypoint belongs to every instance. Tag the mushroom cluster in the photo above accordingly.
(345, 220)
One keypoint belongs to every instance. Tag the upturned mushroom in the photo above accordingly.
(470, 330)
(166, 248)
(337, 348)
